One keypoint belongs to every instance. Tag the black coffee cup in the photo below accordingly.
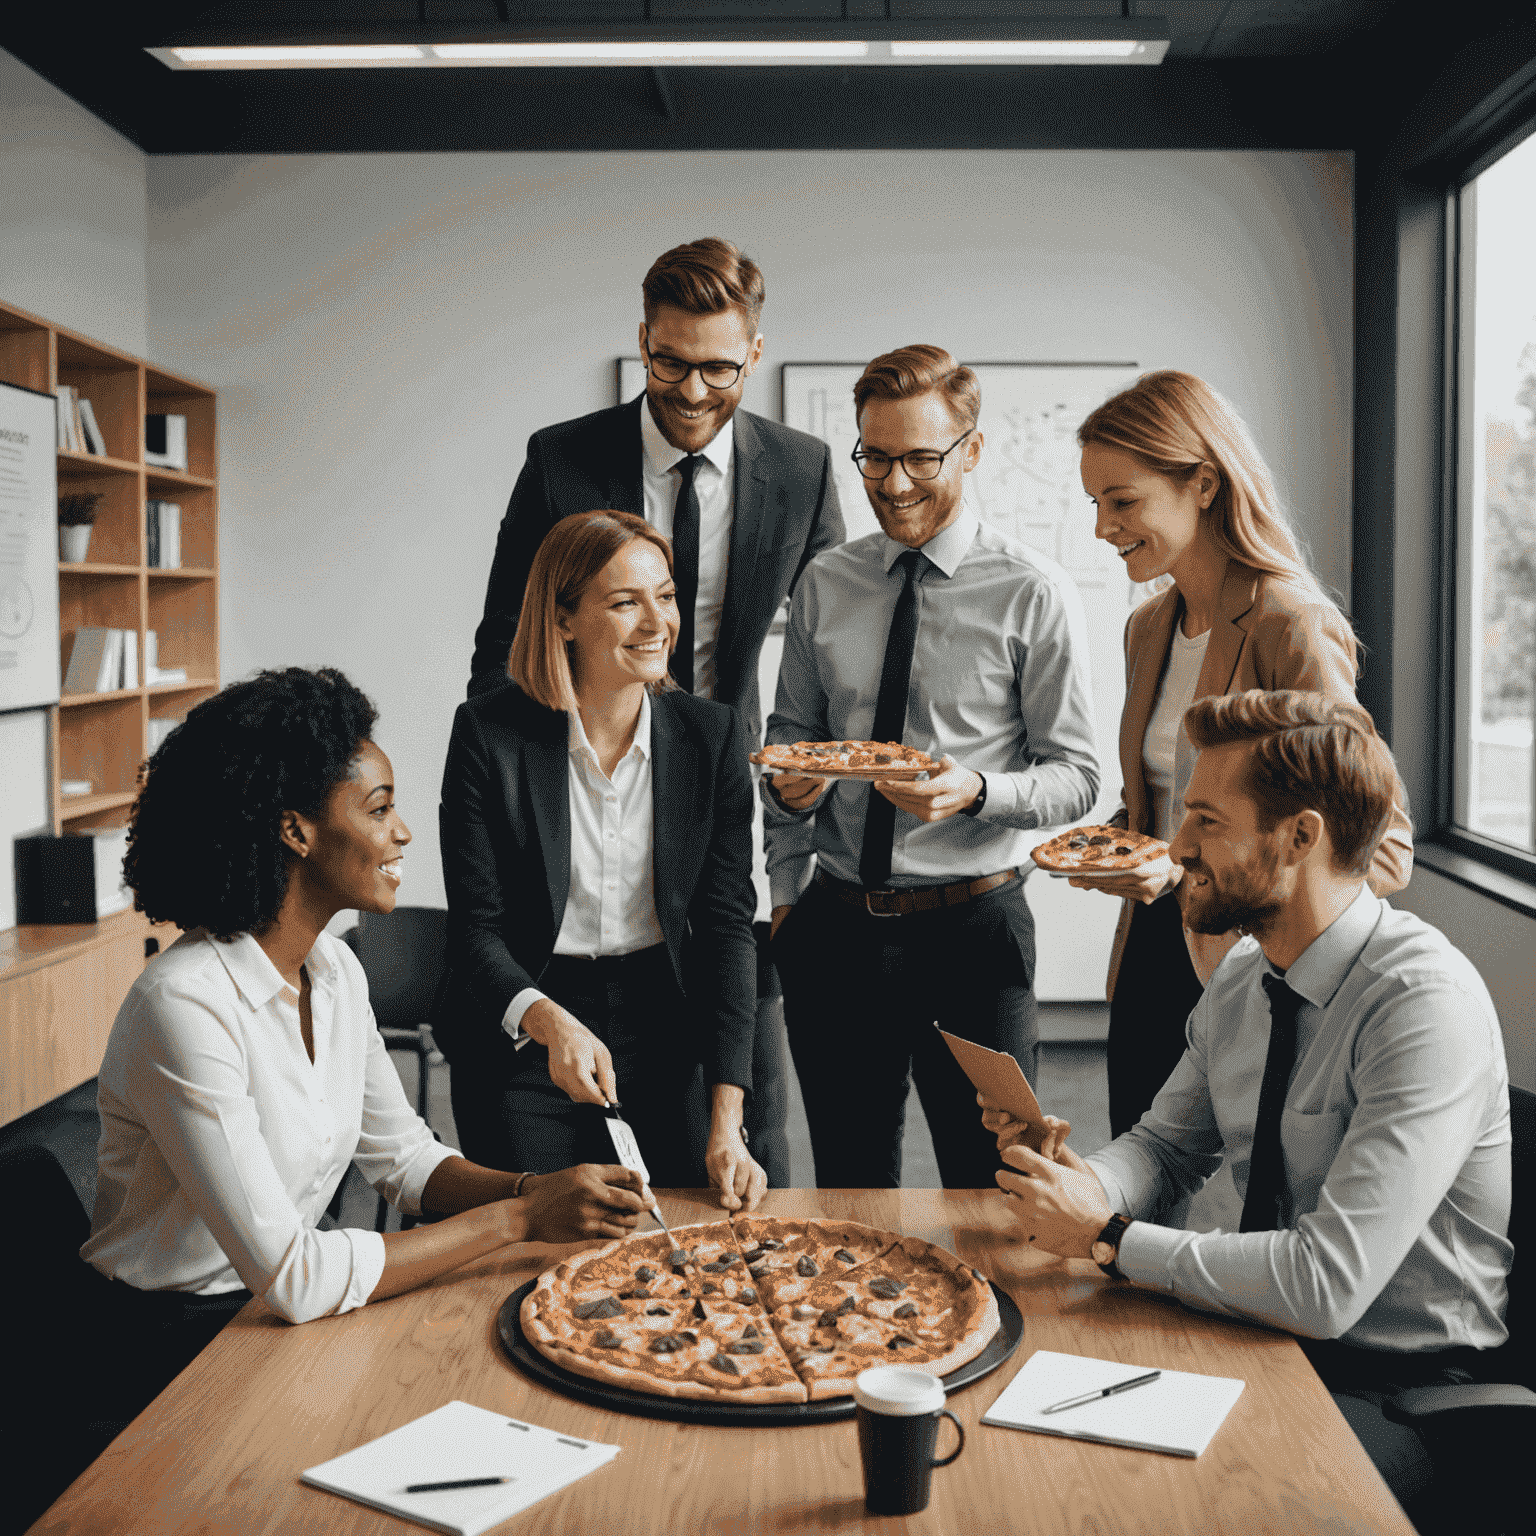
(898, 1409)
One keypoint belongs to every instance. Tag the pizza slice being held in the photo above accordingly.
(847, 760)
(1098, 850)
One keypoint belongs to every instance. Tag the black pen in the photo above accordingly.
(461, 1482)
(1092, 1397)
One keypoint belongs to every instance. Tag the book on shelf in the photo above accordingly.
(94, 441)
(104, 660)
(165, 441)
(130, 672)
(64, 405)
(162, 521)
(70, 788)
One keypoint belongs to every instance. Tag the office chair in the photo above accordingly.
(403, 955)
(56, 1300)
(1476, 1434)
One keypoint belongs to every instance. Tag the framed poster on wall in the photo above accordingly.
(1026, 485)
(29, 550)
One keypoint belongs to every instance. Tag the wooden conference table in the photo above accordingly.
(221, 1449)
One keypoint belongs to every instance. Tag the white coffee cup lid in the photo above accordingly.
(901, 1391)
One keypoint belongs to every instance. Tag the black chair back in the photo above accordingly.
(1520, 1352)
(404, 955)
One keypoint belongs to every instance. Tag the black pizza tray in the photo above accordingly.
(692, 1410)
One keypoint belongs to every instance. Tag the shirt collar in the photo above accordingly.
(661, 456)
(1319, 970)
(253, 973)
(576, 734)
(946, 549)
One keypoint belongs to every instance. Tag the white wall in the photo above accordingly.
(385, 331)
(72, 245)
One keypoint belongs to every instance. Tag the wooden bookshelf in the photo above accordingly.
(104, 737)
(60, 987)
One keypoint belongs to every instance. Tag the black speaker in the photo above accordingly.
(55, 879)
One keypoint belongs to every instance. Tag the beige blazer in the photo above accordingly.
(1269, 633)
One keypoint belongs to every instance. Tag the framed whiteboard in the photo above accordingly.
(1026, 485)
(29, 550)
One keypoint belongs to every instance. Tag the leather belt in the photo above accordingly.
(921, 898)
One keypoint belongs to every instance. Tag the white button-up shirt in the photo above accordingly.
(611, 908)
(714, 484)
(222, 1143)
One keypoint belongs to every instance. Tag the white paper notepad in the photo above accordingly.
(1177, 1413)
(454, 1441)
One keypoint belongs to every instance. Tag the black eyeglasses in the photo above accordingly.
(718, 374)
(919, 463)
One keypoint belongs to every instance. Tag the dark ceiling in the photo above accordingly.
(1239, 74)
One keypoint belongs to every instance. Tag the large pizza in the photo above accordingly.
(1097, 850)
(759, 1309)
(846, 759)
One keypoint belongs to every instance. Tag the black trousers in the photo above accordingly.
(1360, 1381)
(861, 997)
(510, 1115)
(1154, 994)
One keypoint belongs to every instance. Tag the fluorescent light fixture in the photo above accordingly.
(651, 53)
(1019, 50)
(313, 56)
(1042, 40)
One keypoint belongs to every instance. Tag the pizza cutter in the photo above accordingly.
(628, 1151)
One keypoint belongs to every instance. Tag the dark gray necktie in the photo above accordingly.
(1266, 1167)
(685, 567)
(890, 720)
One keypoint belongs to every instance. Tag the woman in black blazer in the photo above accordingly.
(596, 842)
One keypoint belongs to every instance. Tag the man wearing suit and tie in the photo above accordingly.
(747, 503)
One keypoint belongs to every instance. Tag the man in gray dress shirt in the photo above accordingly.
(1345, 1059)
(900, 904)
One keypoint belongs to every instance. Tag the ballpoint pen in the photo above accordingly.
(1091, 1397)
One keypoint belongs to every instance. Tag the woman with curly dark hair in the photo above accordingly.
(244, 1071)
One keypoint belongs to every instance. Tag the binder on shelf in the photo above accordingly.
(130, 675)
(162, 521)
(165, 441)
(94, 441)
(152, 534)
(111, 673)
(86, 658)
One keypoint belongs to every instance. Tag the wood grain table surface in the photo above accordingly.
(220, 1451)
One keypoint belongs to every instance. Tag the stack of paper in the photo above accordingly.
(454, 1442)
(1177, 1413)
(102, 660)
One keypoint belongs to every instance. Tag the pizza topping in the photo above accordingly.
(845, 1256)
(757, 1271)
(752, 1255)
(639, 1293)
(1078, 842)
(657, 1312)
(806, 1266)
(900, 1341)
(724, 1363)
(719, 1267)
(887, 1285)
(746, 1294)
(842, 1309)
(1099, 842)
(605, 1307)
(698, 1310)
(645, 1274)
(803, 1314)
(906, 1309)
(745, 1346)
(608, 1340)
(1122, 850)
(709, 1288)
(665, 1344)
(750, 1332)
(772, 1243)
(677, 1258)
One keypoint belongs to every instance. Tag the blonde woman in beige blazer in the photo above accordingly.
(1182, 492)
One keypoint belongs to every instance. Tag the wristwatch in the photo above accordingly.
(1106, 1247)
(746, 1140)
(974, 808)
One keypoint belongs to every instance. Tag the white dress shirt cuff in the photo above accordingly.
(512, 1019)
(1146, 1253)
(1005, 799)
(367, 1267)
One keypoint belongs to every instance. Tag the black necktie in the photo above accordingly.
(1266, 1167)
(685, 567)
(890, 721)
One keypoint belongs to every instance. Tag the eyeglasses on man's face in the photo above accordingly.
(919, 463)
(717, 374)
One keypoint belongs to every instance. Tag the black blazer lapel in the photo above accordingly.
(546, 761)
(749, 487)
(674, 770)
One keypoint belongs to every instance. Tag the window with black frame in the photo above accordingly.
(1493, 687)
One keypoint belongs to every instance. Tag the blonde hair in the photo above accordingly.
(911, 371)
(1309, 752)
(1174, 423)
(574, 551)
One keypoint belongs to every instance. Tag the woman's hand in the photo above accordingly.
(1145, 883)
(579, 1063)
(590, 1200)
(1010, 1130)
(732, 1169)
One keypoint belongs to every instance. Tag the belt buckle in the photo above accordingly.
(869, 897)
